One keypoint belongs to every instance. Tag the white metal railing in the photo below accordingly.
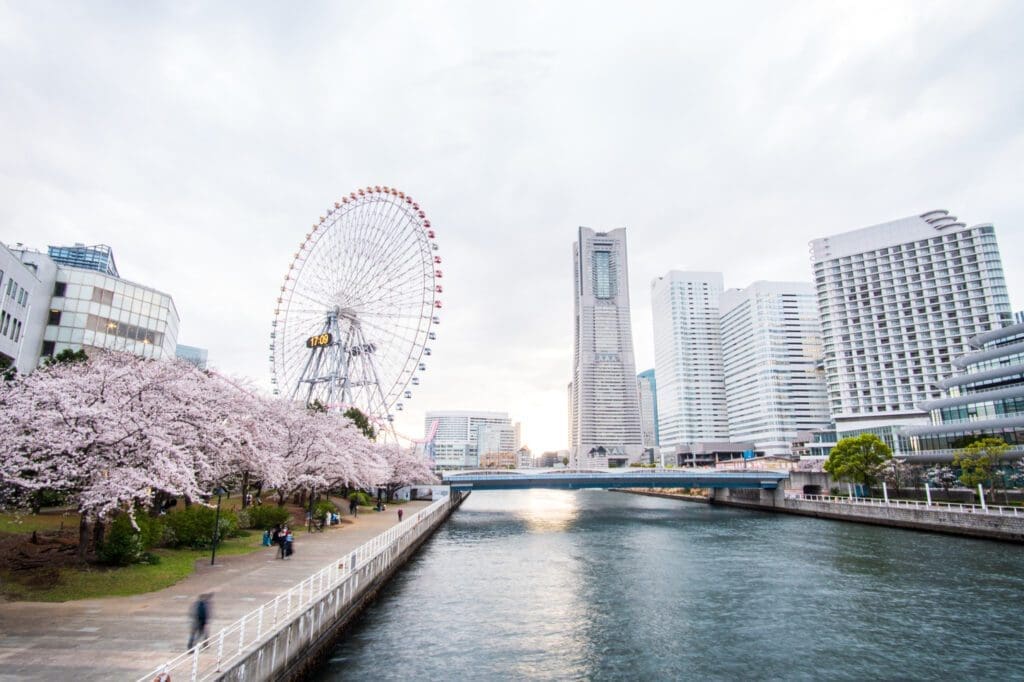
(340, 581)
(989, 509)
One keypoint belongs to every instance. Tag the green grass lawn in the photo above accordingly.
(100, 581)
(47, 520)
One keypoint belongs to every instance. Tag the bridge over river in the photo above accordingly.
(572, 479)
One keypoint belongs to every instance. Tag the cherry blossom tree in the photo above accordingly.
(404, 468)
(111, 432)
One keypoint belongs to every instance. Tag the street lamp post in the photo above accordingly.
(216, 525)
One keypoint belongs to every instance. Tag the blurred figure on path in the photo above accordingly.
(400, 513)
(200, 619)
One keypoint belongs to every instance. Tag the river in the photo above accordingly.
(554, 585)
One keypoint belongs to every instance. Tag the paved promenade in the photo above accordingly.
(122, 638)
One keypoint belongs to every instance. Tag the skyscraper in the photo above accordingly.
(688, 358)
(898, 301)
(648, 388)
(771, 351)
(604, 405)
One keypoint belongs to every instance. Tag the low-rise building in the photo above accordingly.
(499, 460)
(25, 290)
(986, 398)
(79, 302)
(192, 354)
(709, 453)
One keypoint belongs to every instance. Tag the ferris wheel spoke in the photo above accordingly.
(371, 270)
(404, 282)
(412, 255)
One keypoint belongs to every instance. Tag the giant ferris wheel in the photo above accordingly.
(358, 307)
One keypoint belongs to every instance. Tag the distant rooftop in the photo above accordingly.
(98, 257)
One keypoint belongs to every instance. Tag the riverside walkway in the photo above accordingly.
(122, 638)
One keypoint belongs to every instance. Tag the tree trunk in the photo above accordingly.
(245, 489)
(99, 530)
(83, 536)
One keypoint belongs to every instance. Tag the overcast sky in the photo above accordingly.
(200, 142)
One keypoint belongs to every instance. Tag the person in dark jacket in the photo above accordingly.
(200, 620)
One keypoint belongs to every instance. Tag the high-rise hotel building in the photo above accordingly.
(771, 352)
(688, 358)
(898, 302)
(604, 405)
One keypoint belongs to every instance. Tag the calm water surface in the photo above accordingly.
(553, 585)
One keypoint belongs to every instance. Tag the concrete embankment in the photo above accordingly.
(970, 523)
(298, 645)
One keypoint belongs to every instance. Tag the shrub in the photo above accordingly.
(193, 526)
(266, 517)
(322, 507)
(361, 498)
(122, 544)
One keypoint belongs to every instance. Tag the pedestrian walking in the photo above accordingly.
(200, 619)
(281, 541)
(400, 513)
(288, 544)
(353, 508)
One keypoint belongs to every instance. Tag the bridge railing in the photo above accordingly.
(337, 582)
(994, 510)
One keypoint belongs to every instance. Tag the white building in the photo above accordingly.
(25, 290)
(497, 437)
(604, 405)
(771, 353)
(455, 444)
(688, 358)
(648, 386)
(92, 309)
(898, 302)
(78, 301)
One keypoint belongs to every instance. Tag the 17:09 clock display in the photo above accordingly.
(319, 341)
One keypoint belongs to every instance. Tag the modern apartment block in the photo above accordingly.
(604, 405)
(688, 358)
(458, 433)
(771, 351)
(648, 388)
(78, 301)
(898, 302)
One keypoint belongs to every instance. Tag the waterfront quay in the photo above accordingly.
(125, 638)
